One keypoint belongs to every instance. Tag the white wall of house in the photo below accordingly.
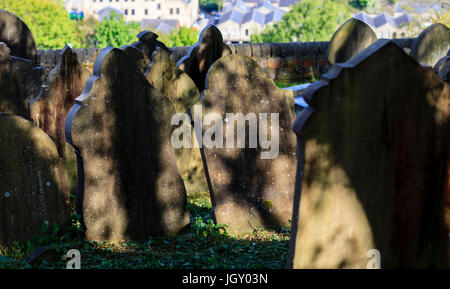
(137, 10)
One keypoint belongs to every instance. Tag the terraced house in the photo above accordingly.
(385, 25)
(184, 11)
(239, 19)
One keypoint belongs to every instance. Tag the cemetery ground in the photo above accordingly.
(206, 246)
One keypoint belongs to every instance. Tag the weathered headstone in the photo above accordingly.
(64, 84)
(34, 186)
(203, 54)
(432, 44)
(181, 90)
(442, 68)
(372, 155)
(350, 39)
(121, 129)
(16, 34)
(49, 109)
(251, 183)
(16, 83)
(148, 43)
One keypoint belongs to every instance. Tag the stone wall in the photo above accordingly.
(284, 62)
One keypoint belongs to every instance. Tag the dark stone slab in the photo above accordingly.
(16, 34)
(179, 88)
(120, 126)
(148, 43)
(432, 44)
(372, 165)
(248, 189)
(203, 54)
(34, 187)
(350, 39)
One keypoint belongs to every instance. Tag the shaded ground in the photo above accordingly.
(207, 246)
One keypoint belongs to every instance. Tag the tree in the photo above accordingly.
(48, 20)
(183, 37)
(115, 31)
(308, 20)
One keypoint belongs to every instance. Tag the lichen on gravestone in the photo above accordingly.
(120, 127)
(34, 186)
(351, 38)
(375, 166)
(248, 189)
(181, 90)
(432, 44)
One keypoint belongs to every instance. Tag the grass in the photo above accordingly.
(206, 246)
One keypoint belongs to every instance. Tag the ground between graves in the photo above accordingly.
(206, 246)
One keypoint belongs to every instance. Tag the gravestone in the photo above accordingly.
(442, 68)
(16, 83)
(250, 187)
(372, 163)
(18, 37)
(120, 128)
(136, 58)
(34, 186)
(148, 43)
(49, 109)
(432, 44)
(350, 39)
(179, 88)
(203, 54)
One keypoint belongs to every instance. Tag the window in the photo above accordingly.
(246, 32)
(178, 10)
(146, 11)
(171, 11)
(394, 35)
(132, 11)
(159, 6)
(126, 11)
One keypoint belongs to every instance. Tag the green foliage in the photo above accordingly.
(308, 20)
(183, 37)
(211, 5)
(48, 20)
(115, 31)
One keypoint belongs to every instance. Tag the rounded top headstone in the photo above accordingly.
(16, 34)
(350, 39)
(432, 44)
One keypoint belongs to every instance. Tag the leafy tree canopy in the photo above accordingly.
(308, 20)
(183, 37)
(115, 31)
(48, 20)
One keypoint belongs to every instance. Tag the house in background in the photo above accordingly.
(106, 12)
(164, 26)
(239, 20)
(385, 25)
(285, 5)
(184, 11)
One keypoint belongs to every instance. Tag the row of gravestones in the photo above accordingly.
(129, 186)
(373, 155)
